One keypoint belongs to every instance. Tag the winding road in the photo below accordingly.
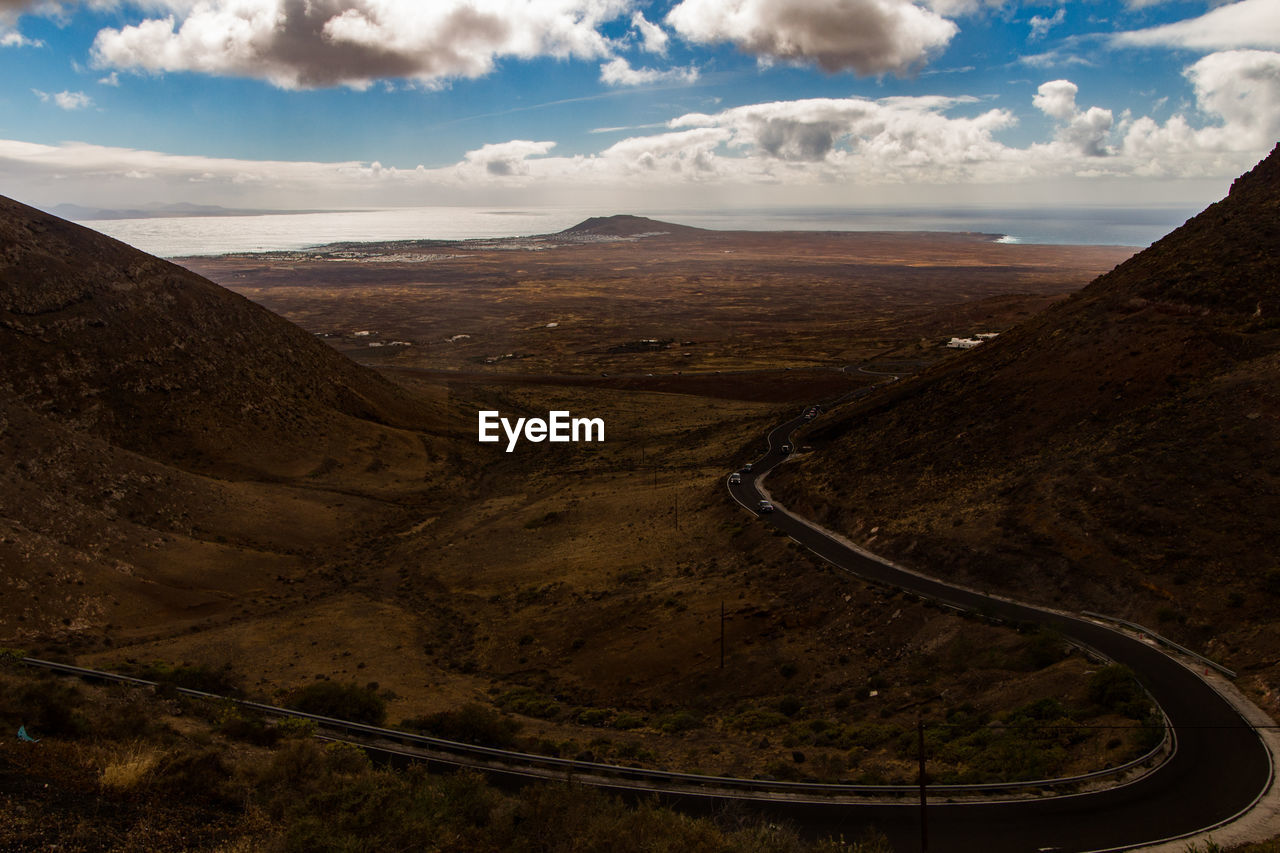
(1219, 768)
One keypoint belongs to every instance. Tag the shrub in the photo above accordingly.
(681, 721)
(594, 717)
(1044, 649)
(196, 774)
(221, 681)
(341, 702)
(625, 721)
(50, 707)
(1115, 688)
(756, 719)
(471, 723)
(531, 703)
(249, 727)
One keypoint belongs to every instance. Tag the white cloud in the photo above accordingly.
(1243, 88)
(680, 155)
(313, 43)
(866, 36)
(17, 39)
(653, 38)
(828, 148)
(1055, 58)
(957, 8)
(853, 140)
(506, 159)
(1057, 99)
(1237, 91)
(618, 72)
(1247, 23)
(1041, 25)
(66, 100)
(1085, 131)
(620, 128)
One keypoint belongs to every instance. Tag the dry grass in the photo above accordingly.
(130, 768)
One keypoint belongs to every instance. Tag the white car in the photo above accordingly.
(735, 478)
(765, 506)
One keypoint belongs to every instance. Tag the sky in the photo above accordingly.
(629, 104)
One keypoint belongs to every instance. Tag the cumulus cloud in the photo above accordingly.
(1057, 99)
(1086, 131)
(506, 159)
(653, 38)
(686, 154)
(865, 36)
(1246, 23)
(314, 43)
(1243, 88)
(618, 72)
(1238, 92)
(889, 140)
(824, 145)
(66, 100)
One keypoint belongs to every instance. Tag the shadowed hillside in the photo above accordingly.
(157, 359)
(167, 445)
(1119, 451)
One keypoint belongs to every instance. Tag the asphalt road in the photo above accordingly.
(1218, 769)
(1219, 766)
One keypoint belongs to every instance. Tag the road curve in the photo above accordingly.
(1219, 769)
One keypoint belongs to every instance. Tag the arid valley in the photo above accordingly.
(198, 493)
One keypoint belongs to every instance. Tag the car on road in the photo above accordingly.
(765, 506)
(746, 467)
(735, 478)
(786, 448)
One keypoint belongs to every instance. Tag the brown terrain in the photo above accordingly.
(187, 478)
(590, 301)
(1117, 452)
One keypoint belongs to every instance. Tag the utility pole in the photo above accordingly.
(722, 633)
(924, 815)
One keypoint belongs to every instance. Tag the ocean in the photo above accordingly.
(216, 235)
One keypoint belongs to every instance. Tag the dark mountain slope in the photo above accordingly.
(156, 359)
(171, 452)
(1119, 451)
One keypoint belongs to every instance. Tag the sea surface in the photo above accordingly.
(216, 235)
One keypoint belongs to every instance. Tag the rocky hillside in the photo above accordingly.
(159, 360)
(1121, 451)
(167, 446)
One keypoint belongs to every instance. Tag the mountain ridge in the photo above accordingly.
(1116, 452)
(169, 449)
